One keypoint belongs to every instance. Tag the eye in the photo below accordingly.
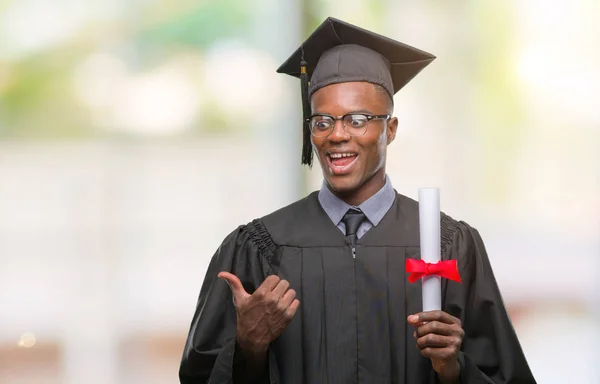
(321, 123)
(357, 121)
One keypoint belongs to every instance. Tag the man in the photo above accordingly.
(317, 292)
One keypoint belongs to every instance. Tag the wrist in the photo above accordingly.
(249, 363)
(450, 374)
(250, 350)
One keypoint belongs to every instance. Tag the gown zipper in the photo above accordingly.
(356, 309)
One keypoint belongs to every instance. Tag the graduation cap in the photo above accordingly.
(339, 52)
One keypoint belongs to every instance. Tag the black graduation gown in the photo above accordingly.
(351, 325)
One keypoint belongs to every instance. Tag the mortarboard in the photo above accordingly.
(338, 52)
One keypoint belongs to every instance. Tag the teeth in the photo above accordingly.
(340, 155)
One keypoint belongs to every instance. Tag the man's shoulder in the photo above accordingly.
(452, 229)
(282, 225)
(410, 207)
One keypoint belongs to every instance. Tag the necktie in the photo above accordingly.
(352, 219)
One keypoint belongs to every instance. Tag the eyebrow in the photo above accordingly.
(355, 112)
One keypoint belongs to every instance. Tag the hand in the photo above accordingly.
(439, 336)
(262, 316)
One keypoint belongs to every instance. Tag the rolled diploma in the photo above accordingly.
(429, 223)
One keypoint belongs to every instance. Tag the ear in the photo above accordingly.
(392, 127)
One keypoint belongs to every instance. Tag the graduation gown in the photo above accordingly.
(351, 325)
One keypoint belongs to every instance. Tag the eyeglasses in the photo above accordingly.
(354, 124)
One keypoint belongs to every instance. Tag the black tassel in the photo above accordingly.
(307, 153)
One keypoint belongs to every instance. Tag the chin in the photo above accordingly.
(343, 185)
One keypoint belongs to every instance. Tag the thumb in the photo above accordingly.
(237, 289)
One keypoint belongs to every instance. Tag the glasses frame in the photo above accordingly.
(341, 118)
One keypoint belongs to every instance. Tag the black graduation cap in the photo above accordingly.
(338, 52)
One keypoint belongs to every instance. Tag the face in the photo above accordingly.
(363, 166)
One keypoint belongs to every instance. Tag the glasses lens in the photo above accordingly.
(356, 125)
(321, 126)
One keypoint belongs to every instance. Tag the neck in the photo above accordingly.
(365, 191)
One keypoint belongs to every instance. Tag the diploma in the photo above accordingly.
(429, 226)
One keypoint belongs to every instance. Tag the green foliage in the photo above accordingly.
(37, 100)
(199, 26)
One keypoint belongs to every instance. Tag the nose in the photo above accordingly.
(339, 134)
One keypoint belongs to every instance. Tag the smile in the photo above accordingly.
(341, 163)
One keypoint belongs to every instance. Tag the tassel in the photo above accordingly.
(307, 153)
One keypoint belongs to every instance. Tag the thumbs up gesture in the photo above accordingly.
(263, 315)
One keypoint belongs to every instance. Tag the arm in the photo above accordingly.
(211, 354)
(250, 364)
(490, 352)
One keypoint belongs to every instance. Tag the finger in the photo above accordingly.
(291, 311)
(435, 327)
(237, 289)
(268, 285)
(281, 288)
(287, 298)
(440, 316)
(437, 341)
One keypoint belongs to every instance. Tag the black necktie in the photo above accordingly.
(352, 219)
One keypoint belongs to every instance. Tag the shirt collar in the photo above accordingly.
(374, 208)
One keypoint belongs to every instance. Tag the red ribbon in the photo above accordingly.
(419, 268)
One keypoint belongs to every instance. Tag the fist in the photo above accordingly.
(263, 315)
